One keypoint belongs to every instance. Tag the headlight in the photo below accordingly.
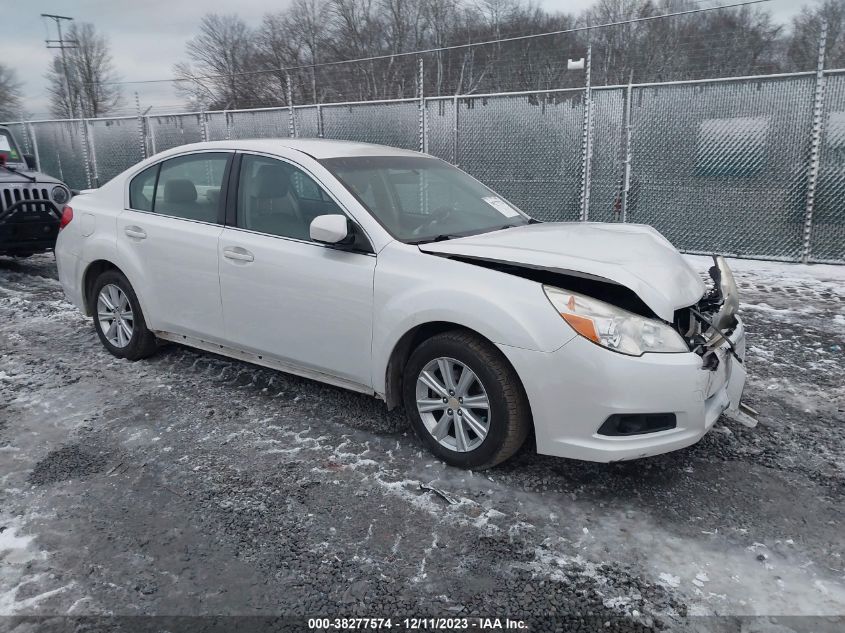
(612, 327)
(60, 195)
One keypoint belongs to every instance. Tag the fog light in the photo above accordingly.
(637, 424)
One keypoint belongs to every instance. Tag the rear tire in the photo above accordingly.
(483, 419)
(118, 318)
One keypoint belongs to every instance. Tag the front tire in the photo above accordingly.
(118, 318)
(465, 401)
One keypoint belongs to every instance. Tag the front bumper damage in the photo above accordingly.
(574, 390)
(708, 325)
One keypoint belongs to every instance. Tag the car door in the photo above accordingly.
(170, 231)
(285, 296)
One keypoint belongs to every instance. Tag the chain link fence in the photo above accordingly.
(718, 166)
(827, 235)
(722, 166)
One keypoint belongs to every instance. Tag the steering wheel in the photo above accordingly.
(437, 215)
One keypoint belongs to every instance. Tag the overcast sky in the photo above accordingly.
(147, 37)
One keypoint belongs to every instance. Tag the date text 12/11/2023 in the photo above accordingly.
(416, 624)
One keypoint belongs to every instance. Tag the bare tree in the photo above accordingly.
(295, 39)
(311, 42)
(90, 76)
(10, 94)
(223, 64)
(803, 46)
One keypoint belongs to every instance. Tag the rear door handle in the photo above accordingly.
(238, 254)
(135, 231)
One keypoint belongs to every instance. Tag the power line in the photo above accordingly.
(438, 49)
(63, 45)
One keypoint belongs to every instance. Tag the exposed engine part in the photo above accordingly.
(710, 360)
(718, 335)
(707, 325)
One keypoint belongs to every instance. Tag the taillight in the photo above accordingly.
(67, 216)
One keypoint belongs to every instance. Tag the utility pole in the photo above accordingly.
(63, 44)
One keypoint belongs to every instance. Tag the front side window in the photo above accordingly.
(420, 199)
(277, 198)
(184, 187)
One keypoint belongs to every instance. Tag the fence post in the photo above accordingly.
(85, 149)
(151, 133)
(95, 168)
(815, 145)
(24, 137)
(142, 139)
(423, 140)
(319, 121)
(34, 144)
(587, 142)
(85, 157)
(203, 125)
(292, 120)
(455, 122)
(626, 177)
(228, 125)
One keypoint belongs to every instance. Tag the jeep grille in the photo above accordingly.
(30, 199)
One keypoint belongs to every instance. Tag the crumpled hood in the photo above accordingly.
(632, 255)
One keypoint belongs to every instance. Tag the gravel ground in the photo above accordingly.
(189, 484)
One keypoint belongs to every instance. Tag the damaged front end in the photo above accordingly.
(708, 325)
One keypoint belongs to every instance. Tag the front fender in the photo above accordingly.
(414, 288)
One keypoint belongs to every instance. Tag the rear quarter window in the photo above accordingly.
(142, 189)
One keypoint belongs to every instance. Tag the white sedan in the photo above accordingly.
(395, 274)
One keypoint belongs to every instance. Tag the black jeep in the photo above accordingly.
(31, 203)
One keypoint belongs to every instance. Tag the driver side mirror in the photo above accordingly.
(331, 229)
(30, 161)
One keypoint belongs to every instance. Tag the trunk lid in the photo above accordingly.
(631, 255)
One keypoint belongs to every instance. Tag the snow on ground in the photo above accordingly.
(189, 483)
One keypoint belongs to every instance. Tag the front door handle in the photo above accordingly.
(135, 231)
(238, 254)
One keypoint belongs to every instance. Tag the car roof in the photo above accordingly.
(315, 147)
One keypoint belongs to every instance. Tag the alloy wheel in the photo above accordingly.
(114, 312)
(453, 404)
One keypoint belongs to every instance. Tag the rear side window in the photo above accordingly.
(142, 189)
(184, 187)
(189, 186)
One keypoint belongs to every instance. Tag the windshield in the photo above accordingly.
(8, 148)
(420, 199)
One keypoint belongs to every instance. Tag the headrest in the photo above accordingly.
(179, 190)
(272, 181)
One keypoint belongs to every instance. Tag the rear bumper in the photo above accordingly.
(573, 390)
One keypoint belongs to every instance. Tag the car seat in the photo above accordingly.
(272, 207)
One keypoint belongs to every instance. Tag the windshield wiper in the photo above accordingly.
(437, 238)
(19, 173)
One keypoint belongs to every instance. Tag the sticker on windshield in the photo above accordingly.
(501, 206)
